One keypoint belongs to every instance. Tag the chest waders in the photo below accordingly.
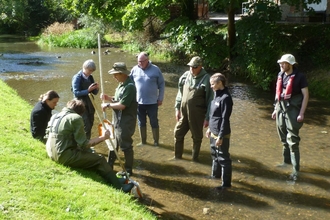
(51, 148)
(121, 138)
(193, 109)
(88, 115)
(288, 128)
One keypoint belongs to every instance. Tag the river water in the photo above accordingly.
(180, 189)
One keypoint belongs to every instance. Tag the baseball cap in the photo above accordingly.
(195, 61)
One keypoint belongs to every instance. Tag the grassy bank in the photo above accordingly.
(34, 187)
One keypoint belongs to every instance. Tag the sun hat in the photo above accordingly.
(289, 58)
(195, 61)
(119, 67)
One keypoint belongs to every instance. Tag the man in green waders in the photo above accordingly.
(192, 107)
(290, 105)
(124, 108)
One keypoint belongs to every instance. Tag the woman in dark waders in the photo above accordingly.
(219, 130)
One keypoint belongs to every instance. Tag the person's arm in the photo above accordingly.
(304, 103)
(226, 110)
(129, 96)
(97, 140)
(178, 97)
(114, 105)
(161, 88)
(38, 124)
(76, 82)
(208, 99)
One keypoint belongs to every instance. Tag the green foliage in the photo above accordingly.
(205, 39)
(84, 38)
(258, 45)
(319, 84)
(137, 12)
(108, 10)
(31, 16)
(95, 25)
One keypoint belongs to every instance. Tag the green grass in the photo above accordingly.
(34, 187)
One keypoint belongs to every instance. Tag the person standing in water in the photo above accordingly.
(219, 130)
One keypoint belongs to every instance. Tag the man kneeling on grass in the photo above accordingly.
(67, 144)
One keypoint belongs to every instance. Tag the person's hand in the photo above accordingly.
(92, 87)
(177, 115)
(300, 118)
(208, 133)
(104, 97)
(205, 124)
(105, 133)
(218, 142)
(104, 106)
(274, 114)
(159, 103)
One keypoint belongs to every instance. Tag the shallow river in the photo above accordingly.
(180, 189)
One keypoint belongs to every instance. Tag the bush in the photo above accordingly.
(84, 38)
(203, 38)
(58, 29)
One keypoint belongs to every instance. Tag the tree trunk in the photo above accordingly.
(231, 31)
(188, 9)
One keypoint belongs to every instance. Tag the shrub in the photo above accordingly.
(58, 29)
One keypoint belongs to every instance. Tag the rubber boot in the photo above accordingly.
(286, 155)
(195, 150)
(295, 160)
(127, 187)
(115, 182)
(129, 158)
(216, 170)
(155, 133)
(112, 179)
(112, 158)
(178, 149)
(143, 135)
(226, 175)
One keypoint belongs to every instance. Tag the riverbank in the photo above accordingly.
(34, 187)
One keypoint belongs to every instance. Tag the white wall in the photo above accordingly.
(322, 6)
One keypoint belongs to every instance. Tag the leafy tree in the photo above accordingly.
(109, 10)
(30, 15)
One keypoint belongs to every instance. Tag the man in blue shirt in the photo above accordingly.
(150, 86)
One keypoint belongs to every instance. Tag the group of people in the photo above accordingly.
(202, 101)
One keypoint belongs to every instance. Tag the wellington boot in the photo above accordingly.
(143, 135)
(216, 170)
(113, 180)
(112, 158)
(123, 180)
(127, 187)
(155, 133)
(195, 150)
(129, 158)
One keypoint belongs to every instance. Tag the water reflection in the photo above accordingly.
(179, 190)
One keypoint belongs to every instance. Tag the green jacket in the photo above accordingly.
(201, 82)
(65, 132)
